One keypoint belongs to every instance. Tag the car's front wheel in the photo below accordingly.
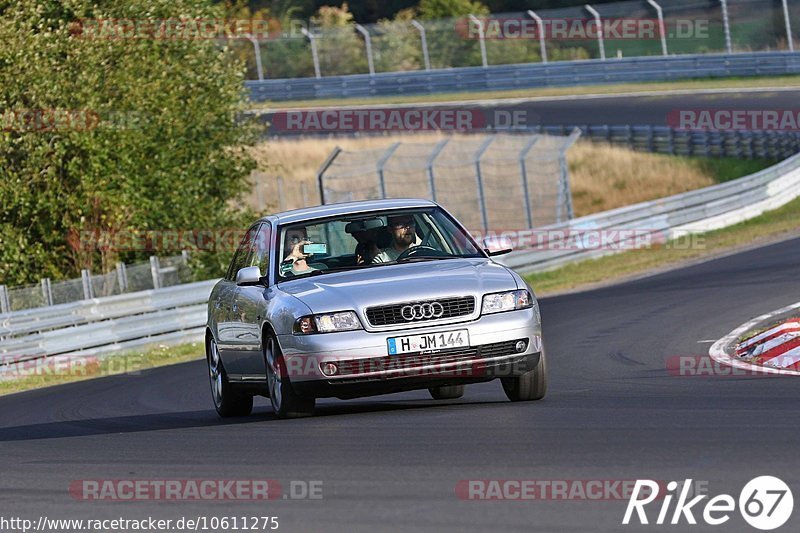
(532, 385)
(227, 401)
(447, 392)
(285, 402)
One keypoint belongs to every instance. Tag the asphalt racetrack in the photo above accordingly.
(613, 412)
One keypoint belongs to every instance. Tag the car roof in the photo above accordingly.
(346, 208)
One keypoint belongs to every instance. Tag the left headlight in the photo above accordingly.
(506, 301)
(327, 323)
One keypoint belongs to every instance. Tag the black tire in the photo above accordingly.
(447, 392)
(532, 385)
(285, 402)
(227, 400)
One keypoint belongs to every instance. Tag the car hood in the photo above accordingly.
(380, 285)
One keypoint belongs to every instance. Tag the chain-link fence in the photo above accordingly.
(157, 273)
(487, 181)
(627, 29)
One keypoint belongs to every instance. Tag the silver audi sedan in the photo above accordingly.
(366, 298)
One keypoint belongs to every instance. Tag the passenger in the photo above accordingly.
(404, 235)
(295, 262)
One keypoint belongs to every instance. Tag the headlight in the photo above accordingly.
(506, 301)
(327, 323)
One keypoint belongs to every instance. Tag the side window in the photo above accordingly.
(263, 245)
(243, 253)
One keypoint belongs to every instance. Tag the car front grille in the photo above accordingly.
(411, 361)
(387, 315)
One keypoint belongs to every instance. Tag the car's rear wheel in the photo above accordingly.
(285, 402)
(227, 401)
(447, 392)
(532, 385)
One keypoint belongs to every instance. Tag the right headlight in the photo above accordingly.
(500, 302)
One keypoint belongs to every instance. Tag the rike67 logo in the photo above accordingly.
(765, 503)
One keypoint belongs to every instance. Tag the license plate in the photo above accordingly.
(428, 342)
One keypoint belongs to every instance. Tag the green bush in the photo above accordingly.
(162, 148)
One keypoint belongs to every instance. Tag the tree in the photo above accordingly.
(439, 9)
(106, 133)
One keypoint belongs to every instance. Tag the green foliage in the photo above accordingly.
(437, 9)
(162, 148)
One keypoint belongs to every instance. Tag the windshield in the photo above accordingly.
(371, 240)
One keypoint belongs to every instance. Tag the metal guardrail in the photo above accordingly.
(696, 211)
(528, 76)
(103, 324)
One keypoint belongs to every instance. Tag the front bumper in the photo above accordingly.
(364, 366)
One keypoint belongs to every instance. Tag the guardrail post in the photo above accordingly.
(257, 48)
(381, 162)
(788, 25)
(368, 42)
(599, 22)
(314, 54)
(155, 271)
(540, 25)
(86, 280)
(481, 197)
(47, 291)
(5, 306)
(726, 24)
(661, 27)
(436, 151)
(481, 39)
(321, 172)
(524, 172)
(423, 36)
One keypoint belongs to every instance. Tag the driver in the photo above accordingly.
(404, 236)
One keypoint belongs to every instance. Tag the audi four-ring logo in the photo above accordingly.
(421, 311)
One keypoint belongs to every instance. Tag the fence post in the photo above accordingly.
(599, 22)
(86, 280)
(304, 192)
(540, 25)
(425, 56)
(524, 171)
(368, 42)
(257, 48)
(320, 173)
(5, 306)
(381, 162)
(481, 198)
(155, 271)
(280, 193)
(122, 277)
(47, 291)
(726, 24)
(314, 55)
(661, 27)
(564, 191)
(429, 168)
(481, 39)
(788, 25)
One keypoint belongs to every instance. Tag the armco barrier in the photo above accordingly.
(528, 76)
(701, 210)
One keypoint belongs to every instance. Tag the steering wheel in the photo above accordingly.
(420, 250)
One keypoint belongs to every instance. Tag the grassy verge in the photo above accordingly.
(784, 221)
(58, 370)
(727, 83)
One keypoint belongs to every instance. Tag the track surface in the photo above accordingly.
(617, 110)
(392, 463)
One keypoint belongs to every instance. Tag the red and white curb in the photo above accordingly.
(775, 351)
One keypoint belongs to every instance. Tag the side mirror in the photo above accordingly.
(248, 276)
(497, 245)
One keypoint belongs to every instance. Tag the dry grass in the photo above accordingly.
(602, 176)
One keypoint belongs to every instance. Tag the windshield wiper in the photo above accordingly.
(425, 258)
